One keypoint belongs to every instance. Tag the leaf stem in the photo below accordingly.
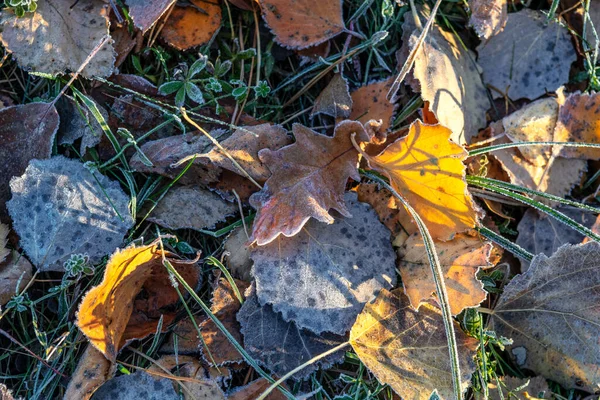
(438, 278)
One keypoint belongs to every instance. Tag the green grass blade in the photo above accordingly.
(438, 278)
(485, 182)
(505, 243)
(497, 147)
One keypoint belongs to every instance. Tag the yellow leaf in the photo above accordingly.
(407, 349)
(110, 315)
(427, 170)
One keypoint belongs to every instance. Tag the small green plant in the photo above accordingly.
(20, 7)
(77, 265)
(185, 84)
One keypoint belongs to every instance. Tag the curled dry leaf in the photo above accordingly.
(303, 23)
(88, 215)
(15, 270)
(112, 313)
(450, 81)
(426, 168)
(93, 369)
(301, 188)
(60, 36)
(579, 121)
(225, 305)
(190, 207)
(243, 146)
(552, 313)
(542, 234)
(139, 385)
(145, 13)
(282, 346)
(334, 100)
(370, 102)
(197, 387)
(322, 277)
(528, 58)
(164, 153)
(460, 258)
(189, 27)
(78, 122)
(26, 133)
(408, 350)
(488, 17)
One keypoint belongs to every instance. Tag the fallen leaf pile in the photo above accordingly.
(199, 197)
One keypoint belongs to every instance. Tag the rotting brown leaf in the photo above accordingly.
(112, 314)
(188, 27)
(145, 13)
(77, 122)
(460, 258)
(334, 100)
(243, 146)
(579, 121)
(93, 369)
(59, 36)
(407, 349)
(164, 153)
(4, 230)
(303, 23)
(300, 187)
(16, 270)
(552, 313)
(237, 254)
(513, 65)
(225, 305)
(26, 132)
(426, 168)
(450, 81)
(370, 102)
(488, 17)
(190, 207)
(184, 337)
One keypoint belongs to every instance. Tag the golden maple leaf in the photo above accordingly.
(427, 170)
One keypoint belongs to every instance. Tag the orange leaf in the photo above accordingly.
(225, 306)
(110, 315)
(308, 179)
(303, 23)
(460, 260)
(427, 170)
(370, 102)
(188, 27)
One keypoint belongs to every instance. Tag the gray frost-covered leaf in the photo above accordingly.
(190, 207)
(542, 234)
(528, 58)
(77, 122)
(139, 385)
(145, 13)
(552, 313)
(279, 345)
(59, 36)
(322, 277)
(59, 208)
